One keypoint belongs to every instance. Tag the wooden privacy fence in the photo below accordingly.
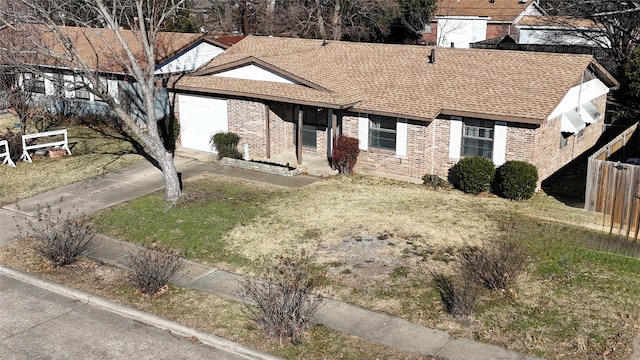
(613, 187)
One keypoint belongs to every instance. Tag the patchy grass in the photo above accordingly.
(206, 312)
(380, 241)
(94, 153)
(196, 226)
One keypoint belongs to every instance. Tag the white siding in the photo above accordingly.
(460, 31)
(401, 138)
(254, 72)
(363, 132)
(49, 86)
(578, 95)
(499, 143)
(192, 59)
(455, 138)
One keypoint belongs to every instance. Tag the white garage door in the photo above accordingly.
(200, 118)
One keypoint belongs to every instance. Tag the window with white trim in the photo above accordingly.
(382, 132)
(33, 83)
(81, 92)
(477, 138)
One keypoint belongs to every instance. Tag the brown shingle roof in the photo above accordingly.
(398, 79)
(499, 10)
(99, 48)
(558, 21)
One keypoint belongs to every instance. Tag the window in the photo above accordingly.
(33, 83)
(477, 138)
(564, 139)
(81, 91)
(314, 118)
(382, 132)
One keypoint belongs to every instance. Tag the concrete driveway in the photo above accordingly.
(39, 324)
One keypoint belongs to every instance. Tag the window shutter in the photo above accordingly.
(401, 138)
(455, 138)
(499, 143)
(363, 132)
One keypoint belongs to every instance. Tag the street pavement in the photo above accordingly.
(37, 323)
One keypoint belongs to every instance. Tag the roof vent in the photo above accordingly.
(432, 57)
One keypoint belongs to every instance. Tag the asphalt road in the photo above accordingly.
(39, 324)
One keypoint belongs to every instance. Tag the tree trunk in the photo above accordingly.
(173, 189)
(336, 22)
(321, 29)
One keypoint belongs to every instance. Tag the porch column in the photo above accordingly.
(267, 132)
(300, 117)
(333, 117)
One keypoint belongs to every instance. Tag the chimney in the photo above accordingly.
(432, 57)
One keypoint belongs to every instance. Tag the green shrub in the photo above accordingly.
(516, 180)
(435, 182)
(345, 154)
(474, 174)
(227, 145)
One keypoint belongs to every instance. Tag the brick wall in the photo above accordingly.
(248, 120)
(427, 143)
(547, 154)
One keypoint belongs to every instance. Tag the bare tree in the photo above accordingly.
(618, 22)
(357, 20)
(121, 36)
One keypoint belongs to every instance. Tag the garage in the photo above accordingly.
(200, 118)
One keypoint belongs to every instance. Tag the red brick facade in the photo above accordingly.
(427, 143)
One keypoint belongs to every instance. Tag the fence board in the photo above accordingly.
(613, 188)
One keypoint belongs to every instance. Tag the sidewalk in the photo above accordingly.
(113, 188)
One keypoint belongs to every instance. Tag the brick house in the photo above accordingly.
(457, 23)
(416, 110)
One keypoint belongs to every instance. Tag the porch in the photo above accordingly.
(312, 165)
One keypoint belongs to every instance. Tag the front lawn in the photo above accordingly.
(95, 152)
(381, 240)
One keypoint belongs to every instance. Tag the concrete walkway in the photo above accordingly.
(113, 188)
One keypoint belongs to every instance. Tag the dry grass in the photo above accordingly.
(206, 312)
(94, 153)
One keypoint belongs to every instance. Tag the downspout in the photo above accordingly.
(580, 92)
(267, 131)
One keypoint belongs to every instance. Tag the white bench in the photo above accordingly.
(5, 153)
(64, 144)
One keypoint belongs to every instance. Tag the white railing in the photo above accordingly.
(5, 156)
(64, 144)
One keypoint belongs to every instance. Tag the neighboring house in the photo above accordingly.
(416, 110)
(457, 23)
(556, 30)
(60, 80)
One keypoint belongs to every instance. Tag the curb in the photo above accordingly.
(137, 315)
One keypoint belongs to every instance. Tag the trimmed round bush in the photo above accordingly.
(516, 180)
(475, 174)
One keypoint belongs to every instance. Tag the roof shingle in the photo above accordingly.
(399, 80)
(498, 10)
(99, 48)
